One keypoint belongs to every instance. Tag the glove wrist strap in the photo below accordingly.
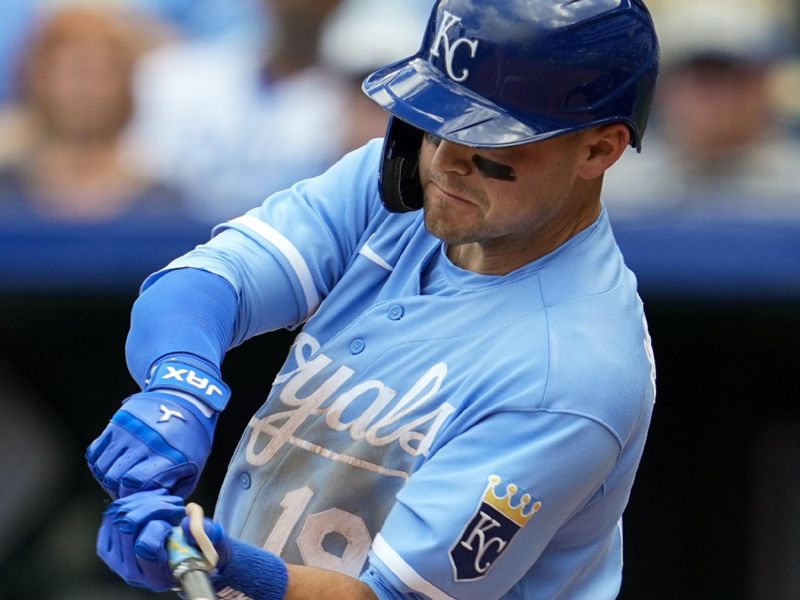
(190, 375)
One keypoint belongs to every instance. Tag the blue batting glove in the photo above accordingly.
(161, 437)
(138, 541)
(216, 535)
(133, 538)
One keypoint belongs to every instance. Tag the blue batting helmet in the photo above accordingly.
(495, 73)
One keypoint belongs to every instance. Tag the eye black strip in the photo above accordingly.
(495, 170)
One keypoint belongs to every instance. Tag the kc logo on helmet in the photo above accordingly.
(490, 529)
(450, 48)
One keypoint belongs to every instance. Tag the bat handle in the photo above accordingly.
(188, 567)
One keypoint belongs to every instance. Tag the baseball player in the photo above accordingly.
(467, 399)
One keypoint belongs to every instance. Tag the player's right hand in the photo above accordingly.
(160, 438)
(134, 539)
(133, 536)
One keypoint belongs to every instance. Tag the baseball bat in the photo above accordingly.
(189, 566)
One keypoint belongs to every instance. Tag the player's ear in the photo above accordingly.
(602, 147)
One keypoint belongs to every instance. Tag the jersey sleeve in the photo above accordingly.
(283, 257)
(477, 516)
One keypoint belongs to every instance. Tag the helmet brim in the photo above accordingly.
(418, 93)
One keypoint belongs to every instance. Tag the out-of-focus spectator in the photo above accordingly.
(230, 125)
(187, 17)
(716, 143)
(360, 37)
(64, 157)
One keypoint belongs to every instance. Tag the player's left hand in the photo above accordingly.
(134, 533)
(133, 538)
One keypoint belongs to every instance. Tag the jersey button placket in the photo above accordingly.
(357, 346)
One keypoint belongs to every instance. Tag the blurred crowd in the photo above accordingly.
(199, 109)
(151, 109)
(723, 141)
(118, 111)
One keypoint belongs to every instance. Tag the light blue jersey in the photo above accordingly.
(440, 433)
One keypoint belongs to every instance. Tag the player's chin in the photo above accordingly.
(442, 224)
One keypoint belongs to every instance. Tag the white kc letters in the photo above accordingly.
(478, 534)
(450, 48)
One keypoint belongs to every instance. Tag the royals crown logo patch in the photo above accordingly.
(495, 522)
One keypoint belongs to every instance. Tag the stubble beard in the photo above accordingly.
(443, 224)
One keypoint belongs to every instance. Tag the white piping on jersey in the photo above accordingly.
(370, 254)
(290, 252)
(260, 426)
(404, 571)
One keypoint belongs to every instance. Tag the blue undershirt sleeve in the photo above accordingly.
(186, 311)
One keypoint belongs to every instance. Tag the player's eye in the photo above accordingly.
(432, 139)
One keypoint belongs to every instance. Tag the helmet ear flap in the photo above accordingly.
(400, 188)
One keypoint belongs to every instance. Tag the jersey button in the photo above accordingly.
(244, 480)
(357, 346)
(395, 312)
